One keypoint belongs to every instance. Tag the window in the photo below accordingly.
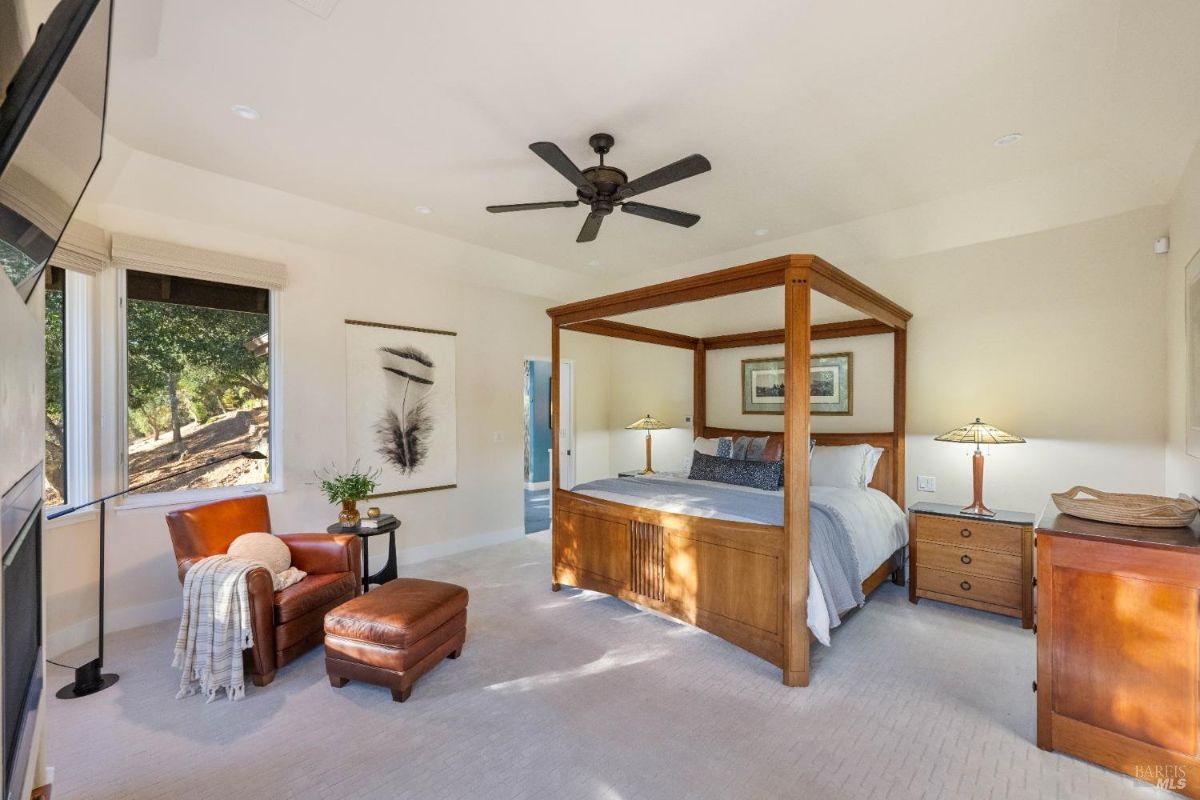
(56, 387)
(68, 459)
(198, 382)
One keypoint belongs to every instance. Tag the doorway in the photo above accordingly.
(539, 440)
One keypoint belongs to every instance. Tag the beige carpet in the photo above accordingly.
(577, 695)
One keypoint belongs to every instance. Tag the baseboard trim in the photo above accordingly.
(116, 619)
(119, 619)
(463, 544)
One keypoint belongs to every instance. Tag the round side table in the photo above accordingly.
(388, 573)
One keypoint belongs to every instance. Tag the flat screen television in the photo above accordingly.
(51, 127)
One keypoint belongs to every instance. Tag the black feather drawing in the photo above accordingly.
(404, 433)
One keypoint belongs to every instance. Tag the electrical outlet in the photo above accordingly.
(926, 483)
(687, 420)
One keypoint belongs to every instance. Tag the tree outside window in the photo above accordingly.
(197, 380)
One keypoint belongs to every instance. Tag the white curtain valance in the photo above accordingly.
(83, 248)
(165, 258)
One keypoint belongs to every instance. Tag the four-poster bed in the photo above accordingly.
(745, 582)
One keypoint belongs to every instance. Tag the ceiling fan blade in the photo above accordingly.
(533, 206)
(552, 155)
(683, 168)
(680, 218)
(591, 227)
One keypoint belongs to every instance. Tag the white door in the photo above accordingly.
(566, 428)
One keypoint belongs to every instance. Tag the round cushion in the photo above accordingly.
(264, 547)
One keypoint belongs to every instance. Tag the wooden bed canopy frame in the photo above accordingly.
(744, 582)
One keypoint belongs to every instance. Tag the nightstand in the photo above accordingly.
(969, 560)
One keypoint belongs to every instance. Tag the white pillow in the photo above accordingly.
(873, 462)
(700, 445)
(842, 467)
(272, 553)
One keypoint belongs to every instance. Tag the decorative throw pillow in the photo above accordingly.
(844, 467)
(746, 448)
(756, 474)
(724, 447)
(272, 553)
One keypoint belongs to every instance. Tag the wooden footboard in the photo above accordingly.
(725, 577)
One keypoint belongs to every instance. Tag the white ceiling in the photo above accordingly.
(813, 114)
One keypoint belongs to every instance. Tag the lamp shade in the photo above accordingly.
(979, 432)
(647, 423)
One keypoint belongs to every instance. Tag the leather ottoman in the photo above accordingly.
(395, 634)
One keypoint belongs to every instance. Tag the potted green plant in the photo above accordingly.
(348, 488)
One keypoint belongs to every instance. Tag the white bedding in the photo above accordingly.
(877, 528)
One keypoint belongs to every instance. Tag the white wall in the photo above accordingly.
(1182, 470)
(382, 272)
(648, 379)
(590, 360)
(872, 387)
(1057, 336)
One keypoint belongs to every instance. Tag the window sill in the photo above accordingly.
(78, 517)
(193, 496)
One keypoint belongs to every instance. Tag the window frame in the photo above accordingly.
(77, 394)
(274, 415)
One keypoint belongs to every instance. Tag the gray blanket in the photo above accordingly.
(830, 548)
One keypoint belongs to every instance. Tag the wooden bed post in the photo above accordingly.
(699, 390)
(899, 410)
(555, 391)
(797, 349)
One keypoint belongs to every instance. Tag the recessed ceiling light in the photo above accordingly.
(245, 112)
(761, 232)
(1007, 139)
(423, 210)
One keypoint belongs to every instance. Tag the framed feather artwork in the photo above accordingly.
(401, 406)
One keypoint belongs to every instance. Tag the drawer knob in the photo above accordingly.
(965, 533)
(966, 559)
(966, 586)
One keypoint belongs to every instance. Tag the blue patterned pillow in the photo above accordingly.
(746, 448)
(725, 447)
(756, 474)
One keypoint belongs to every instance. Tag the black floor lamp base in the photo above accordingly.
(88, 680)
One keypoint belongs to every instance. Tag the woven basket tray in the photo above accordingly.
(1126, 509)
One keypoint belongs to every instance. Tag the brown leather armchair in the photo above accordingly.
(289, 623)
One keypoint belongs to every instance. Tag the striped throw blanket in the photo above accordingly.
(214, 628)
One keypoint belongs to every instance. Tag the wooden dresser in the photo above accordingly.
(979, 562)
(1118, 647)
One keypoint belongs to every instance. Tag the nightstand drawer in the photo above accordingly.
(973, 561)
(969, 533)
(971, 587)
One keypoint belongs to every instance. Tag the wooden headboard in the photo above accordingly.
(883, 472)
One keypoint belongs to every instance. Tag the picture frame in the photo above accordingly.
(831, 382)
(401, 406)
(1192, 339)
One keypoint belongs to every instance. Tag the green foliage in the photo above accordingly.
(56, 440)
(190, 363)
(352, 485)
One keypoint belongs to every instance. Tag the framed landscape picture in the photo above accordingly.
(831, 381)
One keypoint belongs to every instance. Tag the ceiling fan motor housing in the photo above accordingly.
(606, 180)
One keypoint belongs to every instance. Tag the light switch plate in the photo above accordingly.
(926, 483)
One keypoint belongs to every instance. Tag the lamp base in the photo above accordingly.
(979, 510)
(88, 680)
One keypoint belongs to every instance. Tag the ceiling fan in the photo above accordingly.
(605, 187)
